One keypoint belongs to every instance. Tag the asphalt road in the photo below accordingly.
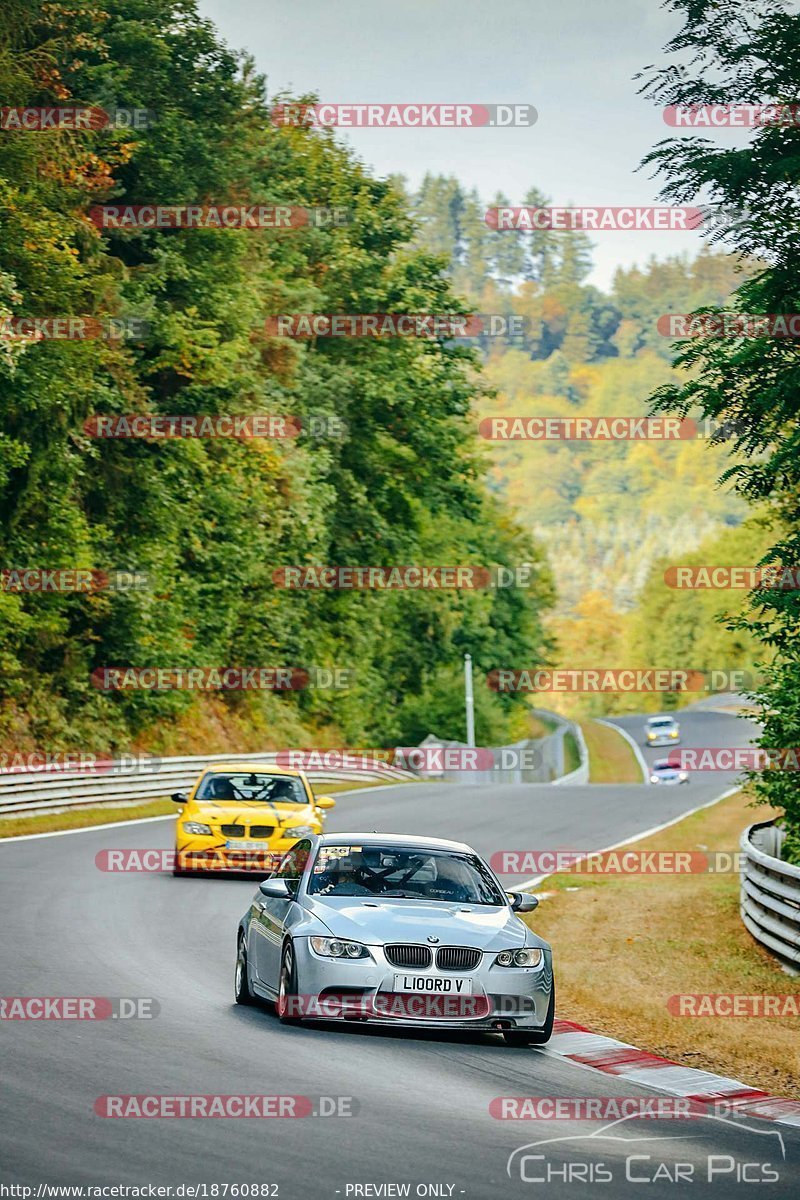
(423, 1099)
(701, 728)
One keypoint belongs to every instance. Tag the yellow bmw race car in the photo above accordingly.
(244, 817)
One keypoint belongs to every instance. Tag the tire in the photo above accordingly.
(534, 1037)
(177, 869)
(287, 987)
(241, 987)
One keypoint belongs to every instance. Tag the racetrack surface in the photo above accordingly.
(70, 929)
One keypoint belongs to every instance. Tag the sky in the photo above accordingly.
(574, 60)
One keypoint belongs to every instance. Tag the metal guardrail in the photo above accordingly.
(581, 772)
(142, 778)
(770, 892)
(147, 779)
(532, 760)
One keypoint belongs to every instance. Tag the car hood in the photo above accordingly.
(245, 812)
(378, 921)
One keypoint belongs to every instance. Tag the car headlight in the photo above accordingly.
(682, 775)
(338, 948)
(298, 831)
(654, 779)
(197, 827)
(674, 733)
(650, 733)
(519, 958)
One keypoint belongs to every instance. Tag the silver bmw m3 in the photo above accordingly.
(395, 930)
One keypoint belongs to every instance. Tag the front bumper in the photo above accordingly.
(662, 741)
(362, 990)
(197, 856)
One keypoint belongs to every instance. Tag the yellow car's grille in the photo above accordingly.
(242, 831)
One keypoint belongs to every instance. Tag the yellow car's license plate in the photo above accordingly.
(242, 845)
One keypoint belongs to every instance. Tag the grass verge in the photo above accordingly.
(79, 818)
(624, 945)
(540, 725)
(572, 755)
(611, 759)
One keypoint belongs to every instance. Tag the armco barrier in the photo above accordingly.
(770, 892)
(533, 760)
(147, 780)
(581, 772)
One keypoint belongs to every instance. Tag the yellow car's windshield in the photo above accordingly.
(251, 785)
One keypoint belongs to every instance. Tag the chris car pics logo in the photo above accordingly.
(621, 1152)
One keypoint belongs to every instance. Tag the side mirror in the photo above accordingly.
(276, 889)
(523, 901)
(325, 802)
(179, 798)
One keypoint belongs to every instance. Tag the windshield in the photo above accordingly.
(252, 785)
(661, 723)
(663, 764)
(404, 873)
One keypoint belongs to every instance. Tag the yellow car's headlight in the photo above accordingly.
(298, 831)
(197, 827)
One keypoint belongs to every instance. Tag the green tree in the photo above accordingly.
(724, 52)
(208, 521)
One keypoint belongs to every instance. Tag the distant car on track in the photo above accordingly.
(244, 817)
(665, 772)
(395, 930)
(662, 731)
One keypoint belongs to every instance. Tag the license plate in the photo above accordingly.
(434, 985)
(240, 845)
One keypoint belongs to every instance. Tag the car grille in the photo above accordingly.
(233, 830)
(262, 831)
(408, 956)
(457, 958)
